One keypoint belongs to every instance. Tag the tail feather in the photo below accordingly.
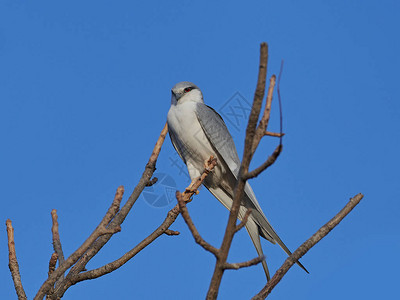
(269, 233)
(252, 229)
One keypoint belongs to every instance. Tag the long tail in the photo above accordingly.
(253, 231)
(265, 228)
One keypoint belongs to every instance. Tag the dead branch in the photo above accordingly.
(249, 263)
(263, 124)
(98, 232)
(271, 159)
(239, 188)
(307, 245)
(171, 232)
(171, 217)
(244, 221)
(274, 134)
(118, 219)
(13, 262)
(57, 243)
(188, 220)
(162, 229)
(52, 267)
(56, 237)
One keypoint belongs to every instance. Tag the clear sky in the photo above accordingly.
(85, 90)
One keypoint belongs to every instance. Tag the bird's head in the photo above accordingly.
(185, 91)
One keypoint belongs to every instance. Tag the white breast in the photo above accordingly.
(183, 122)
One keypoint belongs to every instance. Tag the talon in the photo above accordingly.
(191, 191)
(209, 162)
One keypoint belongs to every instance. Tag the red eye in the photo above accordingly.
(188, 89)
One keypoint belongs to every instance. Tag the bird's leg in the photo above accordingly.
(190, 190)
(209, 164)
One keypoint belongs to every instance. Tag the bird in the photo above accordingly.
(197, 132)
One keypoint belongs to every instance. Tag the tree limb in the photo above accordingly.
(116, 221)
(271, 159)
(196, 235)
(56, 237)
(13, 262)
(171, 217)
(56, 243)
(263, 124)
(98, 232)
(249, 263)
(306, 246)
(163, 228)
(240, 184)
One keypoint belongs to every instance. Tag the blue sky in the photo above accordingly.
(84, 93)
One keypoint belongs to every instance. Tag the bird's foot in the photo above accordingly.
(209, 164)
(191, 192)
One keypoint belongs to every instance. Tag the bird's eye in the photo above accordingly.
(188, 89)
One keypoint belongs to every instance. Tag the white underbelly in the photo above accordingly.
(182, 120)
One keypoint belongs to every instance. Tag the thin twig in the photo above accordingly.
(152, 181)
(244, 220)
(171, 232)
(274, 134)
(307, 245)
(53, 262)
(56, 237)
(278, 89)
(13, 262)
(196, 235)
(263, 124)
(249, 263)
(271, 159)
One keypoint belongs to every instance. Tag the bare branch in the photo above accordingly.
(162, 229)
(262, 126)
(197, 237)
(52, 263)
(171, 232)
(99, 231)
(274, 134)
(244, 221)
(52, 267)
(271, 159)
(249, 263)
(115, 221)
(13, 262)
(152, 181)
(56, 243)
(171, 217)
(307, 245)
(240, 184)
(56, 237)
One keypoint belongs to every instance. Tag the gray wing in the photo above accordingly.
(217, 133)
